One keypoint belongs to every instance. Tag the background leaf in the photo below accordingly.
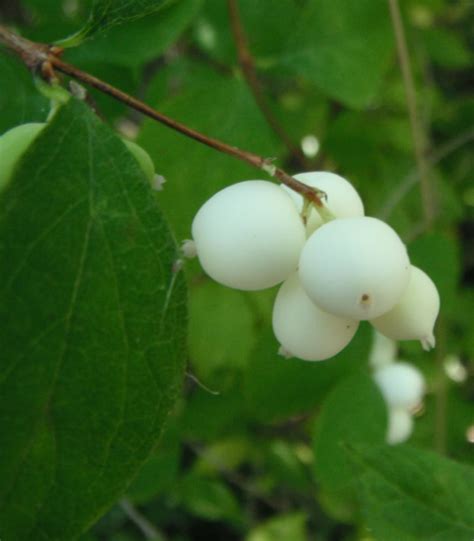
(92, 370)
(277, 388)
(106, 14)
(343, 47)
(354, 412)
(147, 37)
(415, 495)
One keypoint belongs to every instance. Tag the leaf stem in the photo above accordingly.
(417, 130)
(249, 71)
(45, 59)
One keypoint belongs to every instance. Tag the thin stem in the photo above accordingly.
(44, 59)
(148, 530)
(247, 65)
(417, 130)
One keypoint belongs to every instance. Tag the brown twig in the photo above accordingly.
(417, 130)
(43, 59)
(247, 65)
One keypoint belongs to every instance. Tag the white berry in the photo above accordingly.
(401, 384)
(249, 235)
(400, 425)
(343, 201)
(303, 329)
(355, 267)
(414, 316)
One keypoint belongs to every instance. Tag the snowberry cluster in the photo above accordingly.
(402, 386)
(337, 266)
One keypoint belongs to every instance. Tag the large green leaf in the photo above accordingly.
(415, 495)
(92, 334)
(106, 14)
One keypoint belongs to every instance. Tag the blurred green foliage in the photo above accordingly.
(259, 447)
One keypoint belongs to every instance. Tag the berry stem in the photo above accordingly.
(44, 59)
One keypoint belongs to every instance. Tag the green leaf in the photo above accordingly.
(209, 416)
(106, 14)
(93, 328)
(415, 495)
(342, 46)
(353, 413)
(233, 336)
(160, 471)
(276, 388)
(147, 38)
(208, 498)
(446, 48)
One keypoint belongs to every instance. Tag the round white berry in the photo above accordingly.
(249, 235)
(355, 267)
(401, 384)
(400, 425)
(303, 329)
(343, 201)
(13, 144)
(414, 316)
